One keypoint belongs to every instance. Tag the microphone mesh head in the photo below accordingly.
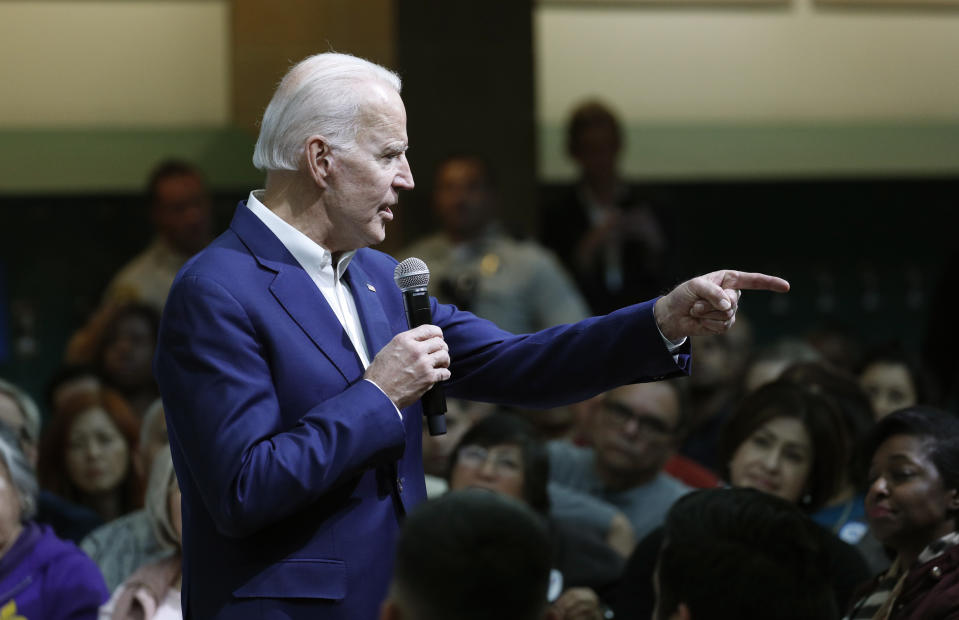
(411, 273)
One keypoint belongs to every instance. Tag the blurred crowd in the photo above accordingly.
(787, 479)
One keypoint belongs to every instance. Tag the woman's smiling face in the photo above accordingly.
(907, 503)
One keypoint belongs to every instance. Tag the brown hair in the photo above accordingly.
(52, 468)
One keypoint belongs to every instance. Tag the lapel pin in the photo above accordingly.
(371, 287)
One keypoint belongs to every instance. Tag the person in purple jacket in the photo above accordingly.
(41, 576)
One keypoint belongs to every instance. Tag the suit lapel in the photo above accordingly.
(376, 327)
(296, 292)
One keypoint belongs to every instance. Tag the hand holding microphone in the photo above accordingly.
(414, 362)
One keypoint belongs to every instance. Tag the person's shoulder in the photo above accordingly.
(433, 247)
(132, 525)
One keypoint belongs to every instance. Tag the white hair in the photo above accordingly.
(28, 407)
(22, 477)
(318, 96)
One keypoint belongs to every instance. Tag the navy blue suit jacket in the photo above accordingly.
(295, 472)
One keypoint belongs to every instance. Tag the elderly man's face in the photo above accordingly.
(365, 178)
(637, 430)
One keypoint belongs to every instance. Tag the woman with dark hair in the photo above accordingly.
(124, 357)
(503, 454)
(845, 513)
(787, 441)
(912, 503)
(892, 379)
(784, 440)
(86, 454)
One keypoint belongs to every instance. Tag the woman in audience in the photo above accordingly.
(845, 513)
(892, 380)
(912, 504)
(124, 358)
(41, 576)
(86, 454)
(502, 453)
(153, 591)
(783, 440)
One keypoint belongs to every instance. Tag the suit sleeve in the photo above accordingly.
(225, 418)
(559, 365)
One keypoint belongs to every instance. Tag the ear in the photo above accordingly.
(953, 499)
(319, 159)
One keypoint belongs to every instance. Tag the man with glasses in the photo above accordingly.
(637, 430)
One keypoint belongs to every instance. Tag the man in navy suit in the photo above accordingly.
(291, 380)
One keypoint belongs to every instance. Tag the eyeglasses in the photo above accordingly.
(505, 460)
(646, 424)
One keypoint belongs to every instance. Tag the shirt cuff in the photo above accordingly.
(671, 345)
(394, 404)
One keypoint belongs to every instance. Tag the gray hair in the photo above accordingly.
(157, 506)
(318, 96)
(21, 474)
(26, 404)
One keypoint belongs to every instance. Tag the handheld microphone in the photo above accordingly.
(412, 277)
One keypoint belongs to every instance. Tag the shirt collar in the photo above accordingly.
(313, 257)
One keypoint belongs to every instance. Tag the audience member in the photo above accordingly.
(782, 440)
(470, 555)
(86, 455)
(912, 503)
(68, 520)
(892, 380)
(637, 431)
(618, 240)
(501, 453)
(844, 513)
(124, 357)
(460, 417)
(732, 554)
(128, 542)
(153, 591)
(41, 576)
(181, 213)
(182, 216)
(475, 265)
(68, 381)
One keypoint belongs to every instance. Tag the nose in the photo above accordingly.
(487, 469)
(771, 460)
(404, 178)
(878, 488)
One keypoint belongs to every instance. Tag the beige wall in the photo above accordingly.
(114, 64)
(795, 62)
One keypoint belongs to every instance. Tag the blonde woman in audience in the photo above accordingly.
(153, 591)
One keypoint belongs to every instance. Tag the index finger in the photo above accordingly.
(754, 281)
